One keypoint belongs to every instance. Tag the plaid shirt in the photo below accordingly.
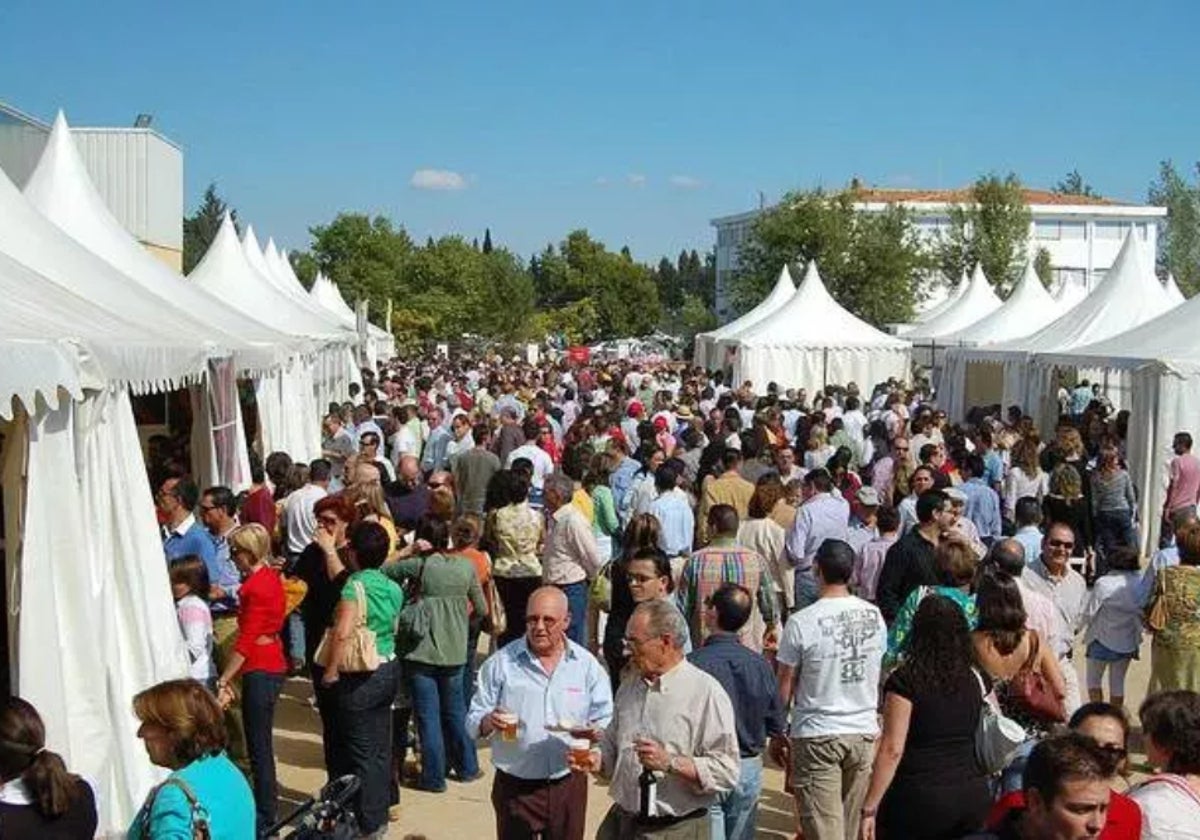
(724, 562)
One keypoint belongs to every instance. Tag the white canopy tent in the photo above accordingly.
(90, 617)
(977, 301)
(812, 341)
(934, 306)
(289, 403)
(62, 190)
(1172, 289)
(708, 355)
(1129, 295)
(1162, 359)
(382, 343)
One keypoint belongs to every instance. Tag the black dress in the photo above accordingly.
(21, 822)
(939, 792)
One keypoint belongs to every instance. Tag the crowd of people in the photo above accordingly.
(637, 572)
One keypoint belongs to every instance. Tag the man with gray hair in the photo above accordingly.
(675, 721)
(571, 556)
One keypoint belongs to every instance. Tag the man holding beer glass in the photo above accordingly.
(543, 700)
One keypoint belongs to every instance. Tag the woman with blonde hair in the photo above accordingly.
(39, 797)
(766, 537)
(257, 659)
(1065, 502)
(817, 449)
(371, 506)
(183, 730)
(1025, 477)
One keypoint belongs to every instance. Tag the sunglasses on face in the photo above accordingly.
(1060, 544)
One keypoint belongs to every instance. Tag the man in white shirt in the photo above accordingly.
(1052, 575)
(823, 515)
(298, 517)
(543, 464)
(831, 655)
(854, 422)
(571, 556)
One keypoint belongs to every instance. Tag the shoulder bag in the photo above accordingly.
(1156, 613)
(496, 609)
(359, 655)
(997, 737)
(1030, 691)
(201, 830)
(601, 588)
(414, 623)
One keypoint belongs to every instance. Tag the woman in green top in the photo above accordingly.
(434, 667)
(361, 731)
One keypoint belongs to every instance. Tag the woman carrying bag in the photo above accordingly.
(358, 655)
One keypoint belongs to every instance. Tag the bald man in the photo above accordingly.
(407, 496)
(557, 690)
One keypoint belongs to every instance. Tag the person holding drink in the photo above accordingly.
(543, 700)
(672, 749)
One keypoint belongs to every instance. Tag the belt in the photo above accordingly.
(667, 821)
(748, 754)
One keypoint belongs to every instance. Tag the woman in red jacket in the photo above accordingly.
(257, 659)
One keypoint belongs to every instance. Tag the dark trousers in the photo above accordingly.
(327, 709)
(577, 604)
(1113, 528)
(549, 809)
(514, 595)
(364, 719)
(260, 691)
(441, 723)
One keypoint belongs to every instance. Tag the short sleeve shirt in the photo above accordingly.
(384, 600)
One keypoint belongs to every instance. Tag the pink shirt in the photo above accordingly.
(1185, 482)
(869, 564)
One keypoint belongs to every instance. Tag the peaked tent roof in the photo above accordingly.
(780, 293)
(324, 292)
(1172, 289)
(812, 318)
(1029, 308)
(1129, 295)
(162, 347)
(224, 272)
(945, 303)
(1170, 338)
(977, 301)
(62, 190)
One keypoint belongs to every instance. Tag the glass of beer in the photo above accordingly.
(579, 756)
(508, 722)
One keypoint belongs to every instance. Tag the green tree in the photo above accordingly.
(1041, 264)
(487, 240)
(869, 261)
(991, 230)
(305, 266)
(1179, 238)
(670, 286)
(200, 228)
(366, 257)
(1073, 184)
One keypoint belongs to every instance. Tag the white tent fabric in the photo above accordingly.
(977, 301)
(96, 623)
(1172, 289)
(61, 189)
(811, 341)
(706, 353)
(167, 348)
(1129, 295)
(1029, 308)
(936, 309)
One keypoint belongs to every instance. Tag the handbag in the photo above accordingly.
(997, 737)
(1156, 613)
(294, 591)
(1030, 692)
(601, 588)
(359, 655)
(414, 622)
(496, 609)
(198, 816)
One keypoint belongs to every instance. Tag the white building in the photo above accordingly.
(138, 172)
(1081, 234)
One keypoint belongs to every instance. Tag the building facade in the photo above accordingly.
(1082, 234)
(137, 171)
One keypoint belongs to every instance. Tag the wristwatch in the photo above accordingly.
(672, 764)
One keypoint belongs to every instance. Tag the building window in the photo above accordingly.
(1111, 230)
(1072, 230)
(1047, 230)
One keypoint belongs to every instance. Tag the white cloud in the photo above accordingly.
(636, 179)
(685, 182)
(437, 179)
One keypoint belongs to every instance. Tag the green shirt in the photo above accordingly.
(384, 600)
(448, 583)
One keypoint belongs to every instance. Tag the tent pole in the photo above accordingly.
(825, 369)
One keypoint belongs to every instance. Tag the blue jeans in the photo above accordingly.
(1012, 778)
(437, 699)
(806, 589)
(577, 604)
(364, 729)
(260, 690)
(734, 816)
(293, 630)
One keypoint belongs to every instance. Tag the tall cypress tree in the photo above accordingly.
(487, 240)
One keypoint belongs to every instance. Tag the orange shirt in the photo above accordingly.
(483, 568)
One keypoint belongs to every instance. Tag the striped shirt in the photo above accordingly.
(725, 562)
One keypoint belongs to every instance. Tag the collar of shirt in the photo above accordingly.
(720, 637)
(662, 684)
(184, 526)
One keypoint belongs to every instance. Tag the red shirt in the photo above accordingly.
(1124, 816)
(260, 614)
(260, 507)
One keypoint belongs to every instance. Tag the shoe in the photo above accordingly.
(468, 779)
(394, 813)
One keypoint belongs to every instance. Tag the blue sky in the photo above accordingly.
(637, 120)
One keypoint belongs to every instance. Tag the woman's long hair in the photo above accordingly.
(939, 648)
(23, 755)
(1001, 610)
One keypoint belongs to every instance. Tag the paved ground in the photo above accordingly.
(464, 811)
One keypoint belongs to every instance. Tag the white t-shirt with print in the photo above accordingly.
(836, 646)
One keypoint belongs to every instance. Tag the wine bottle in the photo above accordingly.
(648, 788)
